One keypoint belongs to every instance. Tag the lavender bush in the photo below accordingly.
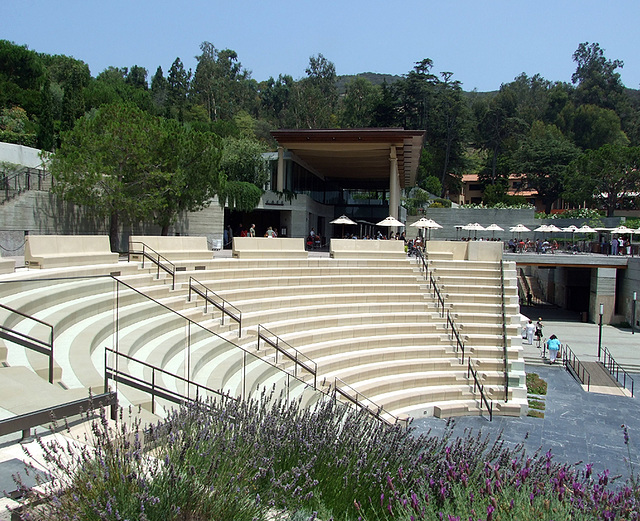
(268, 459)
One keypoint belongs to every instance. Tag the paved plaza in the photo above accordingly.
(578, 426)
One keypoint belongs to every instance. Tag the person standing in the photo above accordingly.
(553, 345)
(531, 329)
(252, 231)
(539, 330)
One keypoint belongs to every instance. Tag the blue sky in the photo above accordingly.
(484, 43)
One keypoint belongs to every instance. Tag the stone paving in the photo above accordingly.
(578, 426)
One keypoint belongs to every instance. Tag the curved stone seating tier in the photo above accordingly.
(372, 322)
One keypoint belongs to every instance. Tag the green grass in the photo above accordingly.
(535, 384)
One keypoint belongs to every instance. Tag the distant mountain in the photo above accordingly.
(374, 77)
(377, 79)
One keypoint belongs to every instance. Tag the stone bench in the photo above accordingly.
(7, 266)
(172, 247)
(55, 251)
(358, 249)
(264, 248)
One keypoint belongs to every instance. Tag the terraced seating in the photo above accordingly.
(370, 322)
(473, 295)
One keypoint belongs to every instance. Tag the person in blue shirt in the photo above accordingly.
(553, 345)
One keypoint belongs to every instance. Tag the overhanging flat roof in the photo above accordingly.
(356, 158)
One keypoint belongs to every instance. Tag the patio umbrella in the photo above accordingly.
(427, 224)
(553, 228)
(390, 222)
(494, 228)
(622, 229)
(542, 228)
(474, 227)
(571, 229)
(343, 219)
(519, 228)
(585, 228)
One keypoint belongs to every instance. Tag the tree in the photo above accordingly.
(385, 108)
(598, 82)
(542, 157)
(159, 92)
(192, 160)
(127, 165)
(594, 126)
(447, 129)
(316, 96)
(246, 173)
(358, 103)
(179, 83)
(605, 176)
(220, 82)
(498, 126)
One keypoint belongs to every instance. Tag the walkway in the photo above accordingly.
(577, 426)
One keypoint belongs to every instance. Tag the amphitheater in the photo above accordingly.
(401, 337)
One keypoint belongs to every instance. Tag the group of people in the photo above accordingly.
(538, 246)
(532, 330)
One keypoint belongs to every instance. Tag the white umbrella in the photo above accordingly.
(553, 228)
(474, 227)
(571, 229)
(585, 228)
(428, 224)
(622, 229)
(519, 228)
(390, 222)
(343, 219)
(494, 228)
(543, 228)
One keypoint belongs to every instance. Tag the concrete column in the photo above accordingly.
(280, 175)
(603, 291)
(394, 184)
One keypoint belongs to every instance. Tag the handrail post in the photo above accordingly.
(153, 390)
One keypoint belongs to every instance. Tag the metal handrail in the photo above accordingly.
(423, 263)
(614, 369)
(574, 366)
(25, 422)
(504, 334)
(436, 293)
(15, 177)
(377, 410)
(223, 307)
(454, 330)
(153, 388)
(35, 344)
(156, 258)
(308, 365)
(478, 385)
(190, 321)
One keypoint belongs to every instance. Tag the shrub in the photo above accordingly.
(269, 459)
